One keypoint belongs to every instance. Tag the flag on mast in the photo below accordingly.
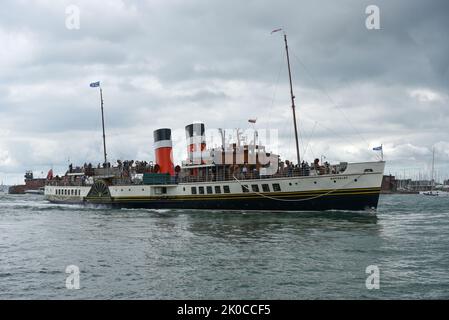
(252, 120)
(95, 84)
(276, 30)
(379, 148)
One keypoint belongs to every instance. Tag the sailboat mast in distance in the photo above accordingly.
(433, 168)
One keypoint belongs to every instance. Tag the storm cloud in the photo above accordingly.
(166, 64)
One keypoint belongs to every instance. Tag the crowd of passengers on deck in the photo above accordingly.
(126, 168)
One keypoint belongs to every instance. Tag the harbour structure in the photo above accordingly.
(32, 185)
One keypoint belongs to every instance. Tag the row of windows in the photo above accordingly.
(265, 187)
(245, 188)
(66, 192)
(209, 190)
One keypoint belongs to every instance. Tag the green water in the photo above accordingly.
(164, 254)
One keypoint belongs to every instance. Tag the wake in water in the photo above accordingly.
(33, 203)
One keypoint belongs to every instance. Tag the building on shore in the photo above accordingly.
(392, 185)
(389, 184)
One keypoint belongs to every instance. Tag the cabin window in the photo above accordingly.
(193, 190)
(65, 192)
(245, 188)
(217, 189)
(72, 192)
(226, 189)
(160, 190)
(276, 187)
(265, 187)
(201, 190)
(255, 187)
(209, 189)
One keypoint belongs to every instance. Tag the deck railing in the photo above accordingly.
(124, 178)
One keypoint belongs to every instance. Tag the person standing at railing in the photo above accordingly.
(244, 170)
(290, 169)
(255, 173)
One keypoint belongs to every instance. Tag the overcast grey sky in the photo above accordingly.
(168, 63)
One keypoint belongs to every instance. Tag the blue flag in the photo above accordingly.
(95, 84)
(377, 148)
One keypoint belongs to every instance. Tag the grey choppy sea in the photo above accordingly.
(165, 254)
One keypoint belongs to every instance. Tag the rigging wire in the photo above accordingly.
(275, 92)
(331, 100)
(295, 200)
(310, 138)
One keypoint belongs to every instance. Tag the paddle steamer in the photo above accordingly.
(235, 176)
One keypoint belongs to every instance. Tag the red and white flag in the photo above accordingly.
(50, 174)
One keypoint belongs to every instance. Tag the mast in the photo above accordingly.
(102, 122)
(293, 100)
(433, 167)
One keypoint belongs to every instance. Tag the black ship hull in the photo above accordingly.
(351, 201)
